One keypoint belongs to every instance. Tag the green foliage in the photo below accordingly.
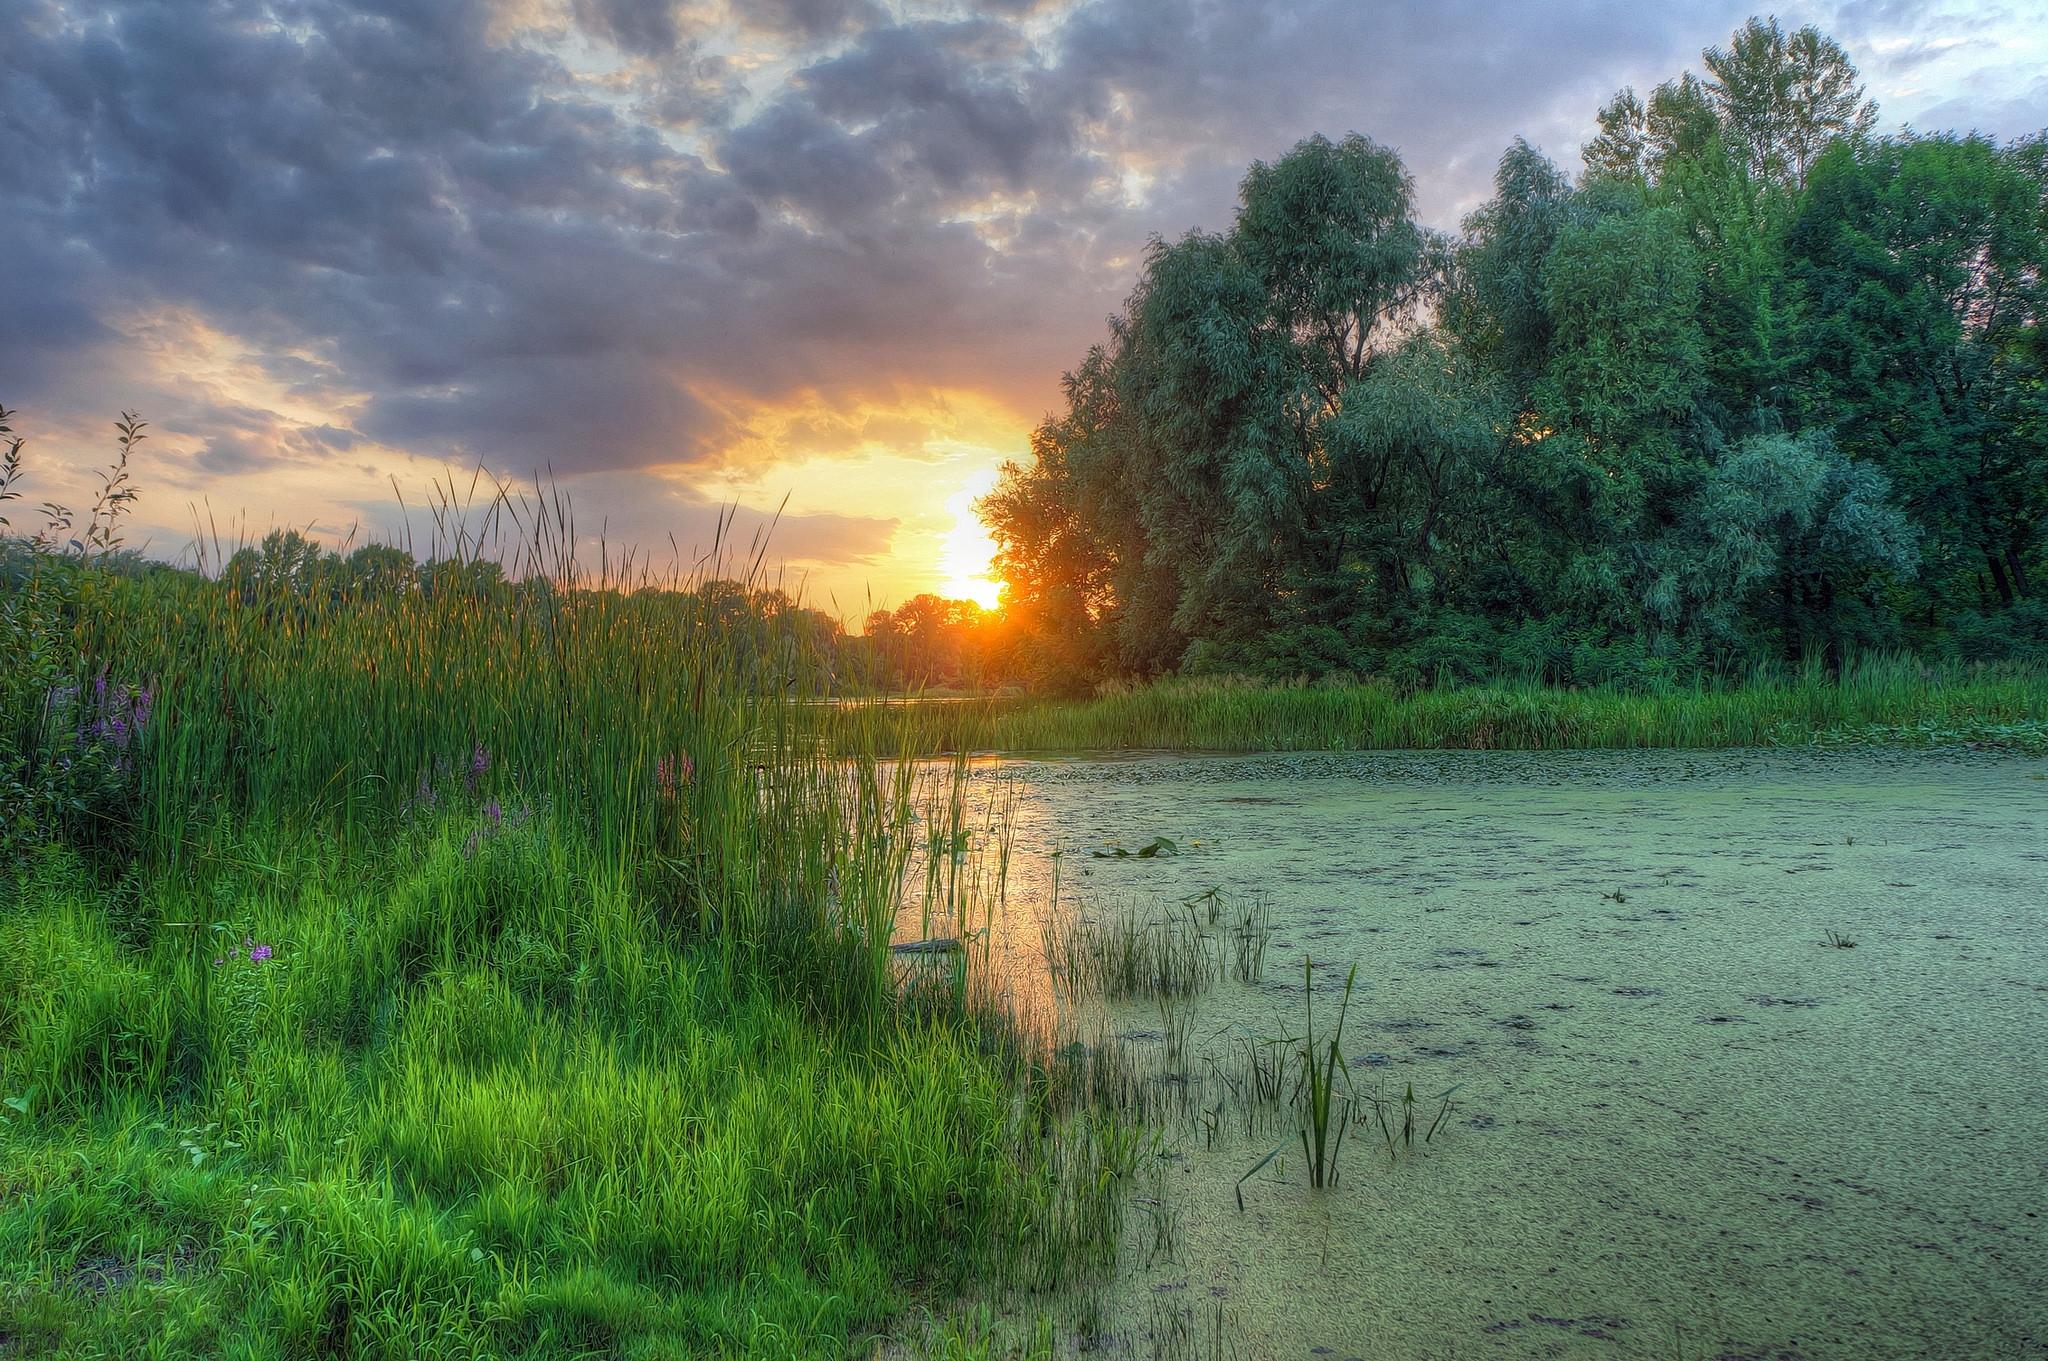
(1622, 287)
(74, 730)
(1762, 388)
(1202, 478)
(1329, 231)
(1497, 304)
(1796, 533)
(1918, 271)
(1785, 97)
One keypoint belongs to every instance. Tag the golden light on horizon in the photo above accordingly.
(968, 551)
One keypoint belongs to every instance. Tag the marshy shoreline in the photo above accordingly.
(412, 972)
(1875, 701)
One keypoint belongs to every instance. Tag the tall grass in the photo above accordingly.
(498, 972)
(469, 1103)
(1878, 700)
(659, 734)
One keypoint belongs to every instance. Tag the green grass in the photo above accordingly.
(1880, 701)
(470, 1105)
(574, 1030)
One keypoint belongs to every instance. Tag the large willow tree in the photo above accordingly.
(1760, 386)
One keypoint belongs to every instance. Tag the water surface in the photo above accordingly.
(1685, 1126)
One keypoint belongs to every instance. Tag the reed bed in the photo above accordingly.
(1876, 700)
(491, 972)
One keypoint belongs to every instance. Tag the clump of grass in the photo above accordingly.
(1121, 954)
(1184, 1332)
(1251, 932)
(1175, 1024)
(1319, 1073)
(1321, 1110)
(1835, 940)
(1125, 953)
(1396, 1116)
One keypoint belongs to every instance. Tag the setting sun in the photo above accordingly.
(968, 551)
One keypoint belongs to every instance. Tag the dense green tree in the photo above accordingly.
(379, 569)
(1760, 387)
(1496, 303)
(1785, 97)
(1736, 235)
(1195, 446)
(1414, 453)
(1329, 231)
(1793, 540)
(1919, 267)
(1638, 142)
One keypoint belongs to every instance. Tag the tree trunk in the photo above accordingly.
(2018, 568)
(1998, 578)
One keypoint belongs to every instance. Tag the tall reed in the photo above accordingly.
(501, 968)
(1875, 700)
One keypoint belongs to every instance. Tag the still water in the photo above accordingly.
(1684, 1123)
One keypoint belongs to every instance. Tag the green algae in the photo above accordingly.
(1683, 1125)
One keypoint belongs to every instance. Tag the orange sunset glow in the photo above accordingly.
(819, 265)
(970, 550)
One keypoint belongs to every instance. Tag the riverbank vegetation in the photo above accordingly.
(1874, 701)
(1753, 385)
(462, 971)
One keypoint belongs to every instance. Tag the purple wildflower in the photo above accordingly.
(259, 954)
(479, 763)
(494, 812)
(671, 773)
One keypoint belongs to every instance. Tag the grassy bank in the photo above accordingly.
(477, 975)
(1882, 701)
(464, 1099)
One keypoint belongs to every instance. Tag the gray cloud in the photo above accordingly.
(648, 27)
(496, 247)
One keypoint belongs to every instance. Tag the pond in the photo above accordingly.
(1688, 1117)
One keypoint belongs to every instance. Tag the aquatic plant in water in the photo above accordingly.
(1382, 1104)
(1322, 1112)
(1319, 1072)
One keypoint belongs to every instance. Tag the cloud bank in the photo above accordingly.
(680, 251)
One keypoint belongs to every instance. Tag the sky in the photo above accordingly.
(803, 268)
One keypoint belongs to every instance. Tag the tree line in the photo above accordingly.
(1754, 385)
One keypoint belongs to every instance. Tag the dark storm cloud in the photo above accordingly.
(479, 241)
(956, 100)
